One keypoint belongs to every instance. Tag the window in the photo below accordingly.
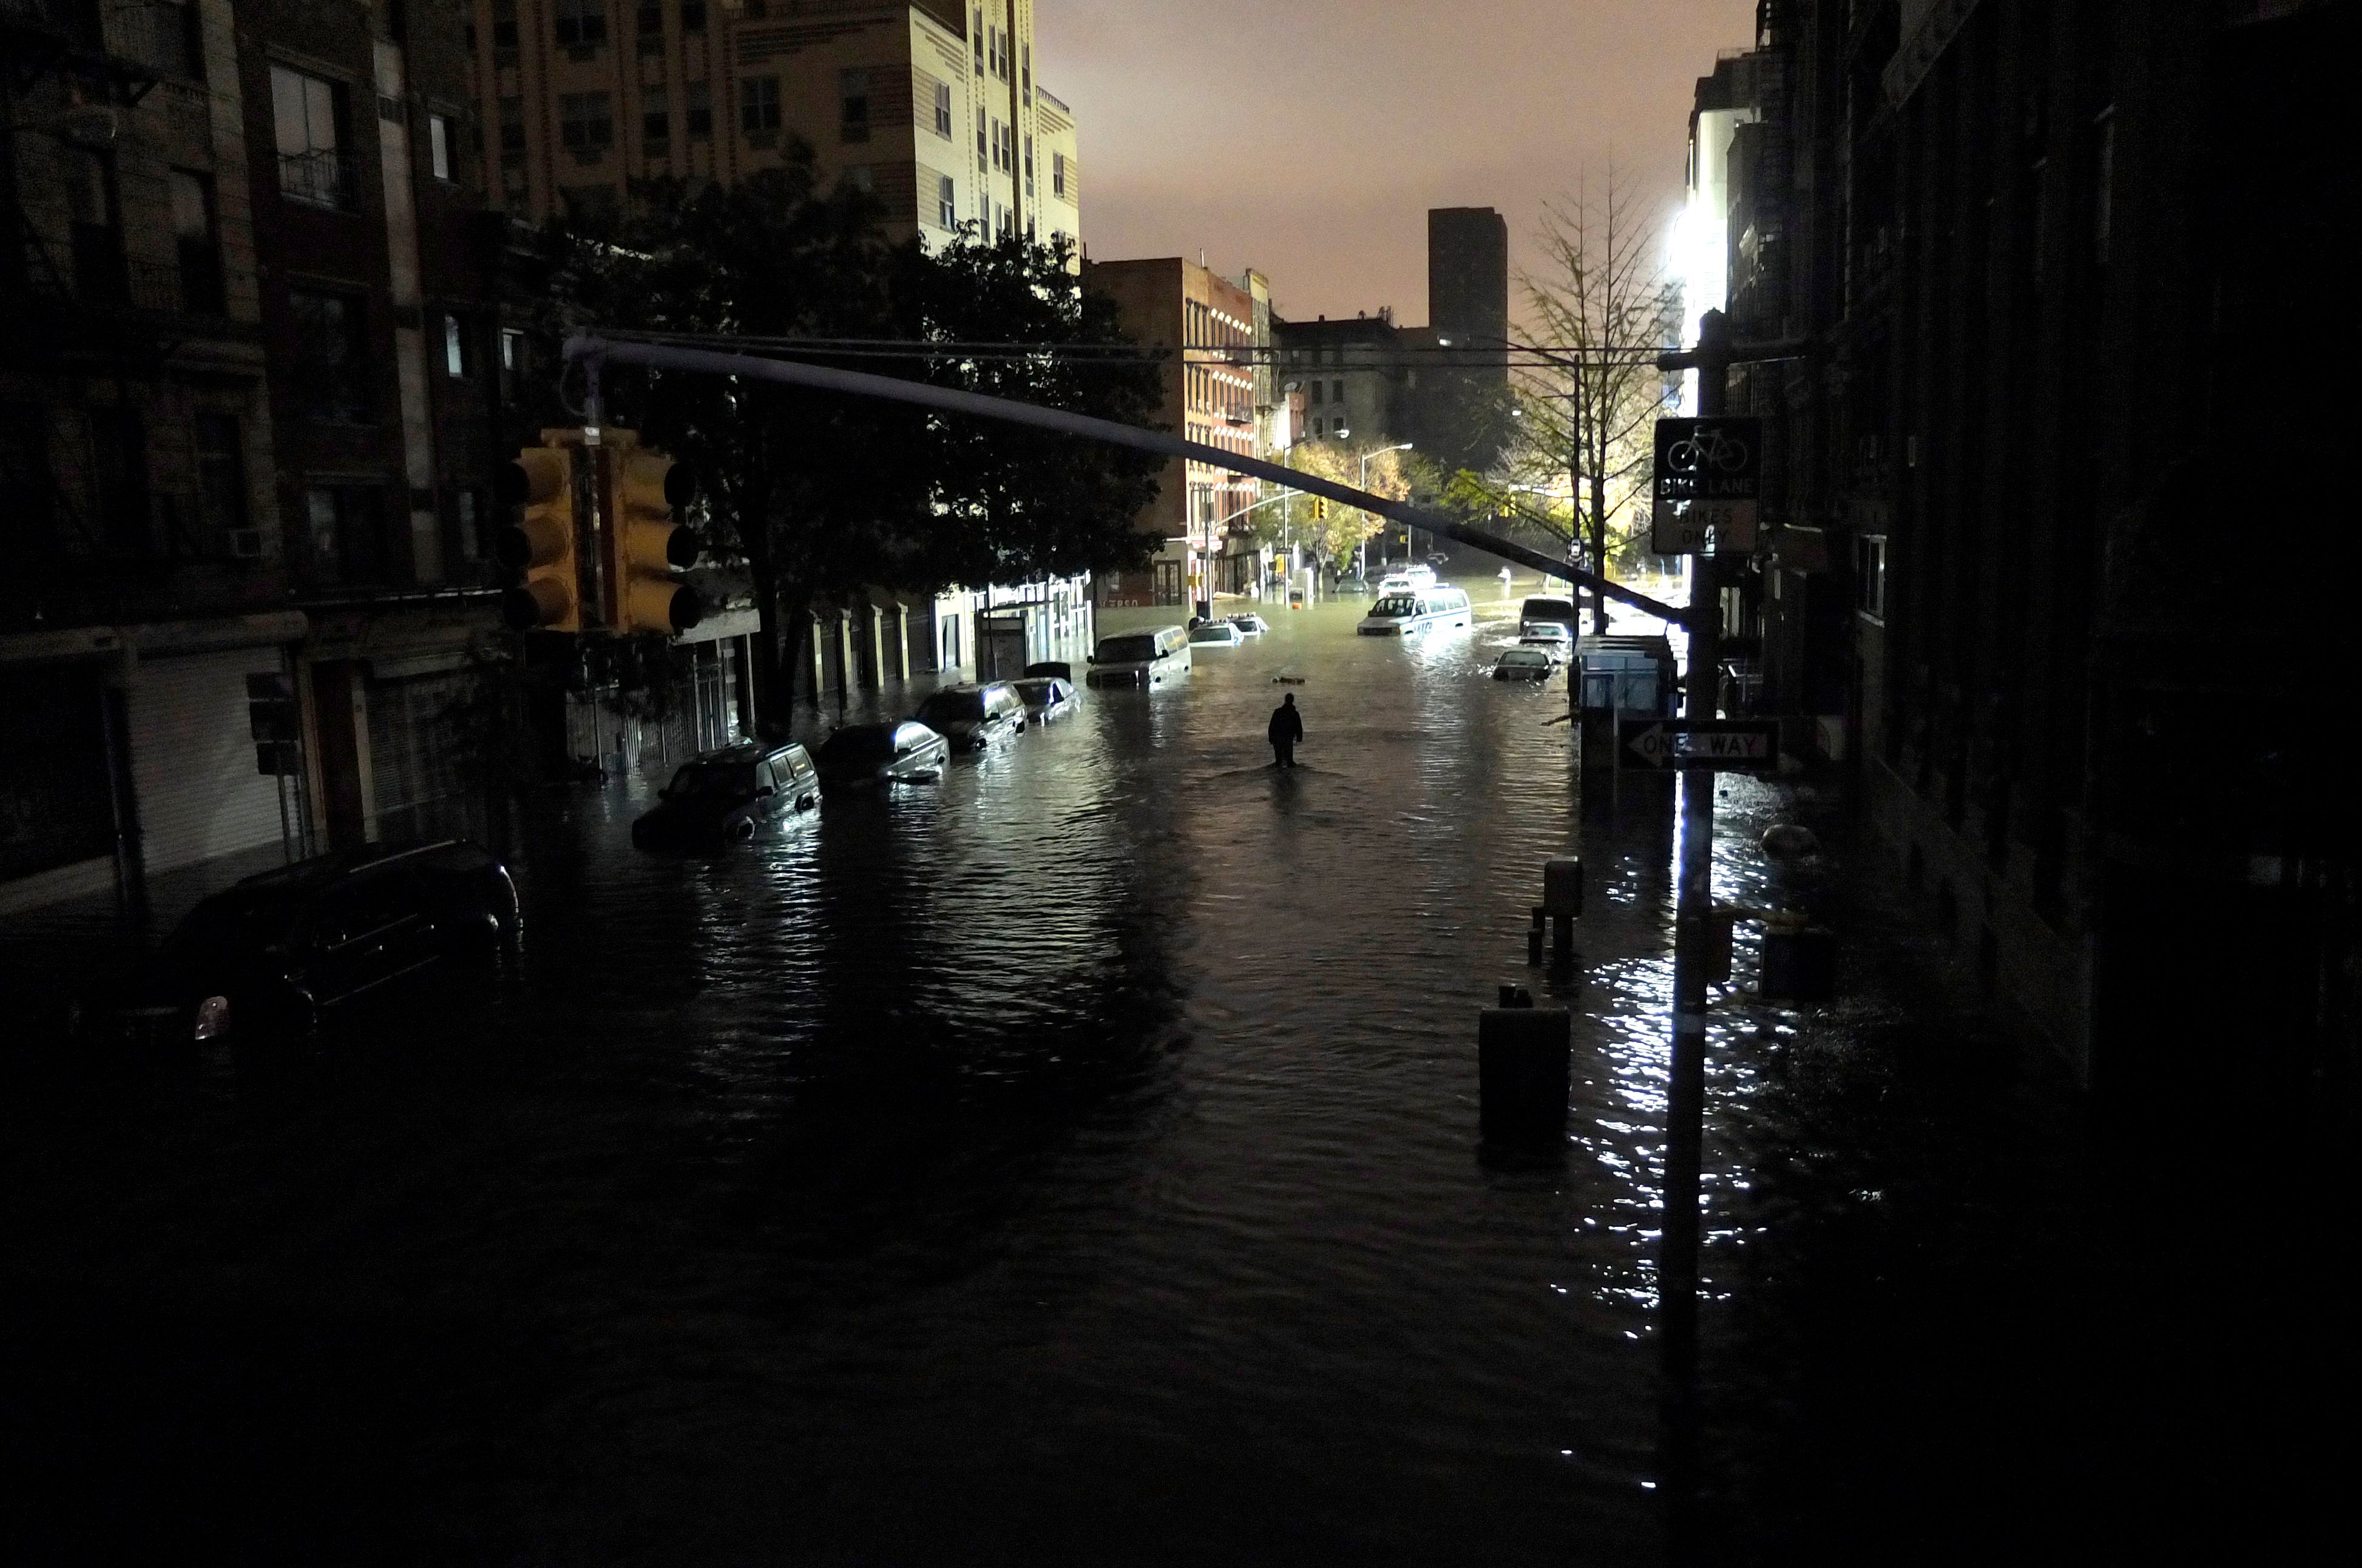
(119, 444)
(331, 379)
(346, 531)
(308, 115)
(1029, 165)
(580, 24)
(101, 271)
(585, 125)
(199, 240)
(979, 140)
(504, 32)
(976, 34)
(467, 530)
(1316, 399)
(1058, 174)
(221, 472)
(656, 122)
(651, 26)
(512, 129)
(455, 347)
(943, 108)
(693, 16)
(946, 202)
(852, 95)
(1869, 577)
(1028, 77)
(1336, 391)
(439, 144)
(696, 111)
(758, 106)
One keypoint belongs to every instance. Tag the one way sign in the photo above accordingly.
(1729, 745)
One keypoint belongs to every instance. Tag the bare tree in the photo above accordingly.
(1599, 305)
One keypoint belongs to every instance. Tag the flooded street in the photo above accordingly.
(1074, 1160)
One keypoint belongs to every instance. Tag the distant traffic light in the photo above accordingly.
(540, 541)
(1320, 508)
(649, 545)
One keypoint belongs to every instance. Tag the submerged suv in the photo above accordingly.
(278, 955)
(973, 717)
(726, 795)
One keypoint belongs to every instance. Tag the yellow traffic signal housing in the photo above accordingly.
(540, 542)
(649, 546)
(1320, 506)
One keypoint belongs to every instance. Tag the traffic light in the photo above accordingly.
(649, 545)
(540, 542)
(1320, 508)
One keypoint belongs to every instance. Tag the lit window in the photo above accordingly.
(439, 144)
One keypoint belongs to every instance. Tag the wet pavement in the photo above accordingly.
(1075, 1160)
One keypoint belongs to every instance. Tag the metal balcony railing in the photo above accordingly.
(328, 178)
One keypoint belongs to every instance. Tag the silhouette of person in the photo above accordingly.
(1285, 729)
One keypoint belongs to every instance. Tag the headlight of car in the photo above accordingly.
(213, 1018)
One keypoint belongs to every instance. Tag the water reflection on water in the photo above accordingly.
(1079, 1153)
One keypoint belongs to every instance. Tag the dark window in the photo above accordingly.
(28, 496)
(221, 472)
(696, 111)
(1058, 174)
(693, 16)
(512, 361)
(854, 97)
(118, 442)
(309, 114)
(759, 104)
(943, 108)
(581, 23)
(345, 530)
(331, 377)
(468, 532)
(651, 27)
(593, 205)
(166, 34)
(586, 125)
(946, 202)
(505, 31)
(100, 272)
(198, 238)
(512, 129)
(655, 121)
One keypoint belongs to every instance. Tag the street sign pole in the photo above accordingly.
(1677, 1272)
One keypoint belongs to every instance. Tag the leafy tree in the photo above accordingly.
(1335, 538)
(824, 496)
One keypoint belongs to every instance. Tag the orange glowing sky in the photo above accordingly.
(1308, 138)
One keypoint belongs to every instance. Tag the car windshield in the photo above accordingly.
(1038, 691)
(1525, 656)
(1397, 604)
(1243, 622)
(1547, 633)
(866, 744)
(1127, 650)
(1218, 632)
(948, 707)
(231, 924)
(714, 780)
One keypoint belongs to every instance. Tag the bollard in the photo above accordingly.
(1562, 884)
(1800, 966)
(1524, 1063)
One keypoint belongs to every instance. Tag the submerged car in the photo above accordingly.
(1250, 624)
(278, 955)
(973, 717)
(1524, 664)
(1551, 638)
(1045, 697)
(903, 753)
(727, 795)
(1215, 635)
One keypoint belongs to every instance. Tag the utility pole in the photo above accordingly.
(1677, 1268)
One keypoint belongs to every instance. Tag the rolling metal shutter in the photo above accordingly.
(192, 757)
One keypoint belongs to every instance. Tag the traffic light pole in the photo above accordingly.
(1677, 1266)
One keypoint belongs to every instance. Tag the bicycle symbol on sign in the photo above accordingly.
(1708, 448)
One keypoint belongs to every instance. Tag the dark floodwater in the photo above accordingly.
(1073, 1161)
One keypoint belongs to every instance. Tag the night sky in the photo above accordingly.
(1308, 138)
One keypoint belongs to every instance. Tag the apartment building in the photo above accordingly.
(929, 104)
(1207, 326)
(1351, 375)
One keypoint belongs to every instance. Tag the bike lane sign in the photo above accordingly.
(1706, 484)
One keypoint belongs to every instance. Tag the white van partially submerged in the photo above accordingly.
(1143, 659)
(1406, 612)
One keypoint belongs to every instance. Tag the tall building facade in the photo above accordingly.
(929, 104)
(1207, 326)
(2021, 263)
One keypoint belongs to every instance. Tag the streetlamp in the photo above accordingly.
(1363, 483)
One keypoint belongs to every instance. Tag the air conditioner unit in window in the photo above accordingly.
(244, 544)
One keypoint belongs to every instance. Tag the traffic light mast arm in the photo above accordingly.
(858, 383)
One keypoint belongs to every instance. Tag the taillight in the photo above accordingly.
(213, 1018)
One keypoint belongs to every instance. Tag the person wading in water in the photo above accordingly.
(1285, 729)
